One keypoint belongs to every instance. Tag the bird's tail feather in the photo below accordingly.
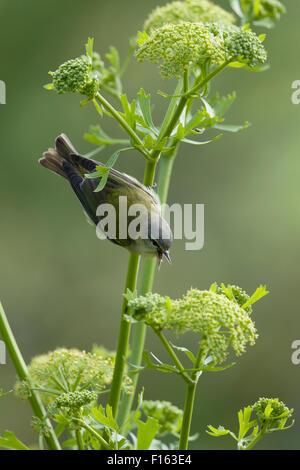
(53, 158)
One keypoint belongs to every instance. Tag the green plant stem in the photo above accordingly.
(124, 332)
(190, 398)
(187, 416)
(80, 443)
(174, 357)
(109, 107)
(165, 170)
(147, 278)
(131, 281)
(22, 372)
(95, 433)
(255, 440)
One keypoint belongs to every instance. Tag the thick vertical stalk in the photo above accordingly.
(124, 333)
(190, 397)
(187, 416)
(22, 372)
(139, 336)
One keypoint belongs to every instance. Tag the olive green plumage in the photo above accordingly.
(66, 162)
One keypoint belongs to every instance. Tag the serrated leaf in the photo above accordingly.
(97, 136)
(220, 431)
(222, 105)
(89, 48)
(114, 59)
(143, 37)
(144, 103)
(146, 433)
(9, 441)
(260, 292)
(105, 417)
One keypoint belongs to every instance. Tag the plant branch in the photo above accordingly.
(22, 372)
(109, 107)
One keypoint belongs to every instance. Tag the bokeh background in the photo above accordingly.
(61, 286)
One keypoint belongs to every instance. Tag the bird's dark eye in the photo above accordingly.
(154, 243)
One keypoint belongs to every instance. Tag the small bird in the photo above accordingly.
(154, 240)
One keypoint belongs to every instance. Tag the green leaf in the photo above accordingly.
(49, 86)
(114, 59)
(161, 367)
(260, 292)
(144, 103)
(103, 171)
(105, 417)
(146, 433)
(129, 110)
(10, 441)
(143, 37)
(180, 133)
(194, 142)
(223, 104)
(98, 107)
(244, 421)
(89, 48)
(231, 127)
(97, 136)
(189, 353)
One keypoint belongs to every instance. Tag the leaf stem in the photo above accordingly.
(22, 372)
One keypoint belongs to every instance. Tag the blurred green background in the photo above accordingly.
(61, 286)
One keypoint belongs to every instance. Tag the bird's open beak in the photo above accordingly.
(166, 253)
(160, 255)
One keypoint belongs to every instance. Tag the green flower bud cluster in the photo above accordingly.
(240, 44)
(272, 411)
(76, 76)
(73, 400)
(261, 9)
(246, 47)
(192, 11)
(238, 294)
(167, 414)
(68, 368)
(220, 321)
(176, 47)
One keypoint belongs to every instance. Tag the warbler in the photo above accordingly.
(154, 237)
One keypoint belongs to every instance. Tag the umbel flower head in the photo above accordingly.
(175, 47)
(220, 321)
(72, 401)
(192, 11)
(81, 75)
(168, 415)
(272, 413)
(65, 370)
